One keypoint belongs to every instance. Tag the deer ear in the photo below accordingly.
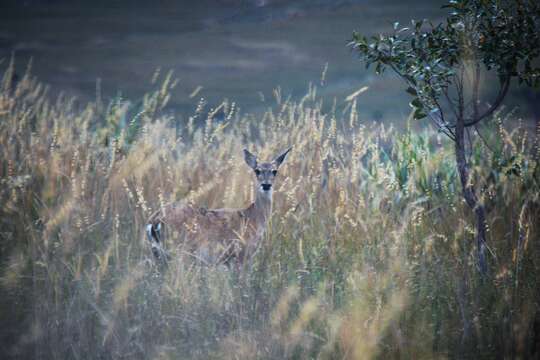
(281, 157)
(250, 159)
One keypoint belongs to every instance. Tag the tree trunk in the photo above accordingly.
(470, 196)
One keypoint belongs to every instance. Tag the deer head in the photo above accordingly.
(265, 173)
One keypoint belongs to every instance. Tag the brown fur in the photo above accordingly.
(216, 236)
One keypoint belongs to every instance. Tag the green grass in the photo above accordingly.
(370, 251)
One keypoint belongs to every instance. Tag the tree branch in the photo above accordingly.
(498, 101)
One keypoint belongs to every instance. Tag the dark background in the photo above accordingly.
(235, 49)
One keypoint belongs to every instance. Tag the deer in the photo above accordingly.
(219, 236)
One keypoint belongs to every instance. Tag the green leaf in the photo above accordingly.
(416, 103)
(412, 91)
(419, 114)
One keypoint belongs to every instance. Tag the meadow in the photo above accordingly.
(370, 251)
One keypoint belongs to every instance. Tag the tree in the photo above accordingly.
(444, 65)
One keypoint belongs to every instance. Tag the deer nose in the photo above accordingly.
(266, 187)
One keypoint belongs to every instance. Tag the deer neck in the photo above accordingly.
(263, 204)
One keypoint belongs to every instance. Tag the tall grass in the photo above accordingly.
(369, 253)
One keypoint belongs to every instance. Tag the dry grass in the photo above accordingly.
(369, 253)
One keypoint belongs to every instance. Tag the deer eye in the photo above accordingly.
(257, 172)
(274, 172)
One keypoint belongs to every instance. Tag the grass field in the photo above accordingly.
(370, 251)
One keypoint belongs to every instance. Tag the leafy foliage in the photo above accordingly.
(503, 36)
